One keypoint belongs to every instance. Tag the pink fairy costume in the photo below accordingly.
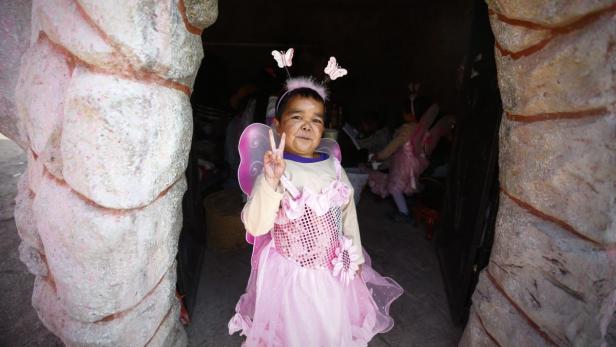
(409, 159)
(304, 288)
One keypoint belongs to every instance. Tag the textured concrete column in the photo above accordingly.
(102, 108)
(552, 273)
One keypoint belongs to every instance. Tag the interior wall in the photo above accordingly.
(384, 45)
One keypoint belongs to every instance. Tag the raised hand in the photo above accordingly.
(273, 164)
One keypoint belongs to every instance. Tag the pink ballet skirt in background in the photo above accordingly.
(405, 168)
(303, 290)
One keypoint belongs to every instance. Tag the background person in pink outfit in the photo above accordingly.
(407, 159)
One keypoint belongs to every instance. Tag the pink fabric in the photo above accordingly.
(293, 298)
(310, 241)
(406, 166)
(286, 305)
(336, 194)
(253, 143)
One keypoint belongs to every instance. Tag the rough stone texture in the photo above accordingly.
(573, 72)
(63, 23)
(51, 158)
(170, 332)
(34, 260)
(14, 40)
(34, 172)
(134, 327)
(24, 219)
(200, 13)
(580, 177)
(551, 13)
(123, 253)
(104, 116)
(45, 72)
(492, 303)
(19, 323)
(474, 334)
(123, 141)
(553, 276)
(552, 273)
(150, 34)
(514, 38)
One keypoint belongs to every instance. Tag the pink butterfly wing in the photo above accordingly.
(338, 73)
(331, 65)
(253, 144)
(440, 129)
(330, 147)
(288, 57)
(279, 58)
(424, 124)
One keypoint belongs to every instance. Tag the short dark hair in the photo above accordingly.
(302, 92)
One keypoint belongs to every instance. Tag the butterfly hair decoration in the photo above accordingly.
(284, 59)
(333, 70)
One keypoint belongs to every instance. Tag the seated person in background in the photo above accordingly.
(373, 136)
(438, 146)
(352, 153)
(407, 163)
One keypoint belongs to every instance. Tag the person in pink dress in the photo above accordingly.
(311, 282)
(407, 161)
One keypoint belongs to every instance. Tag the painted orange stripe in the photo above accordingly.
(594, 112)
(518, 22)
(519, 309)
(189, 27)
(554, 31)
(34, 155)
(486, 330)
(139, 76)
(160, 325)
(581, 21)
(125, 311)
(130, 73)
(522, 53)
(537, 213)
(90, 202)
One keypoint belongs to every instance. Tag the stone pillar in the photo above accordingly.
(551, 279)
(103, 111)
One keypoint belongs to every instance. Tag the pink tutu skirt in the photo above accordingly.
(404, 172)
(289, 305)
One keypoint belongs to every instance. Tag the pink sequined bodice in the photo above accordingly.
(308, 227)
(310, 240)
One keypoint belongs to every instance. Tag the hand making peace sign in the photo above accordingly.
(273, 164)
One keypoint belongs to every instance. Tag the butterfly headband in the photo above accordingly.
(285, 59)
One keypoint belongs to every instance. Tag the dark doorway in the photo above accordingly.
(471, 201)
(385, 47)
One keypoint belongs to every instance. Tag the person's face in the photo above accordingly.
(303, 123)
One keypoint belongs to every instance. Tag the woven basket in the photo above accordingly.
(225, 230)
